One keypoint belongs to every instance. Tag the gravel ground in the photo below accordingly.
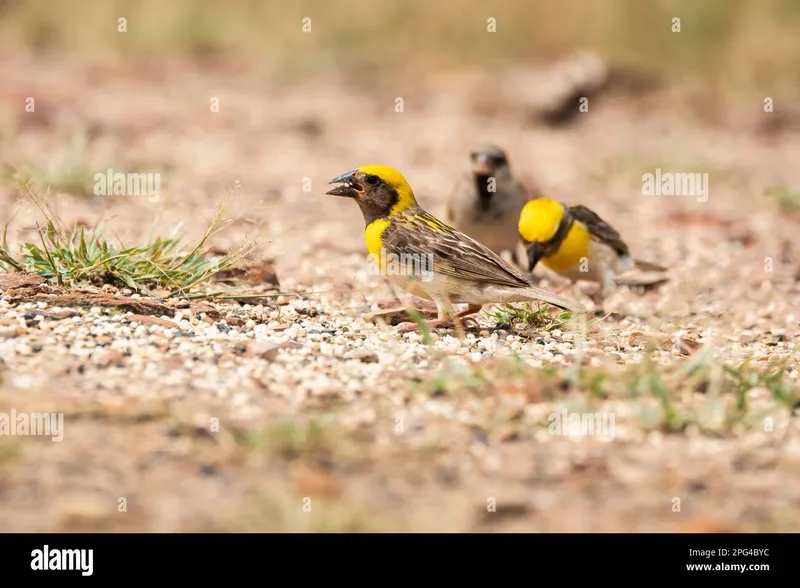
(298, 414)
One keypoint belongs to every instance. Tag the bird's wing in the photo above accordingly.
(453, 253)
(648, 266)
(599, 229)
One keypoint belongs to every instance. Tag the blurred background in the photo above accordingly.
(258, 104)
(724, 44)
(308, 88)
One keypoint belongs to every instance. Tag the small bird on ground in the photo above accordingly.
(576, 243)
(427, 258)
(487, 201)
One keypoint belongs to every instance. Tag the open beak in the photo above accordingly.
(349, 186)
(534, 255)
(482, 166)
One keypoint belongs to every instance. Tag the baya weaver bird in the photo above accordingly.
(487, 201)
(576, 243)
(460, 270)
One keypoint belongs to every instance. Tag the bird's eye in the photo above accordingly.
(372, 180)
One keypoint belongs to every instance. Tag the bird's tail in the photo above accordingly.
(648, 266)
(552, 298)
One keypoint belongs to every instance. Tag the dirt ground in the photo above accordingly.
(295, 415)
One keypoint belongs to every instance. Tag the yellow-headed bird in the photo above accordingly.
(425, 257)
(576, 243)
(487, 201)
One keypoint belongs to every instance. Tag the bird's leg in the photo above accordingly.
(404, 301)
(412, 301)
(597, 298)
(444, 319)
(598, 292)
(387, 315)
(402, 308)
(459, 324)
(609, 287)
(606, 289)
(444, 312)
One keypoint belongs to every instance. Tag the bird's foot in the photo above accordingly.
(419, 303)
(412, 327)
(458, 320)
(597, 299)
(596, 294)
(396, 314)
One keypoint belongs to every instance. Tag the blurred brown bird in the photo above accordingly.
(487, 201)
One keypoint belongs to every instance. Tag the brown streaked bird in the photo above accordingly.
(487, 201)
(574, 242)
(427, 258)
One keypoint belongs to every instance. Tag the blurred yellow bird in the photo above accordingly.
(427, 258)
(574, 242)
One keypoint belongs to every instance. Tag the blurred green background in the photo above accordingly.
(729, 45)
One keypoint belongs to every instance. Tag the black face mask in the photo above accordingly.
(536, 250)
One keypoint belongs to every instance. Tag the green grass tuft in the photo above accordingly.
(73, 256)
(529, 320)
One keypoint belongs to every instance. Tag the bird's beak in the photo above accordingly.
(482, 166)
(534, 255)
(349, 188)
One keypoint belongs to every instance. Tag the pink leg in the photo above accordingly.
(419, 303)
(454, 320)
